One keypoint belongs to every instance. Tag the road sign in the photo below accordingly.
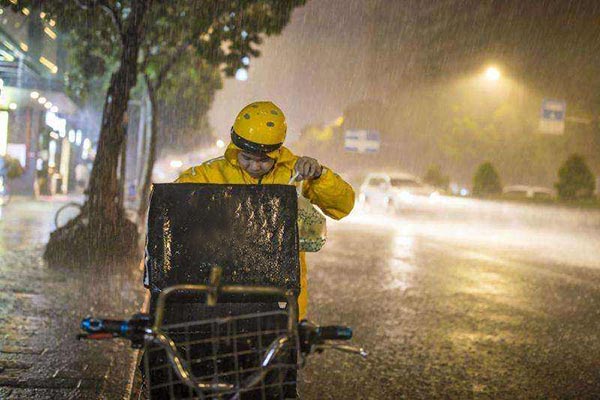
(552, 116)
(362, 141)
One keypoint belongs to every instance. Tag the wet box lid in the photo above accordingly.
(248, 230)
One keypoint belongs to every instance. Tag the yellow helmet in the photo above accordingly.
(259, 128)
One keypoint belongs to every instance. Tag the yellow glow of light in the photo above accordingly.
(220, 144)
(52, 22)
(25, 10)
(23, 46)
(492, 74)
(42, 15)
(34, 95)
(50, 33)
(339, 121)
(49, 64)
(42, 100)
(3, 132)
(12, 106)
(13, 1)
(7, 56)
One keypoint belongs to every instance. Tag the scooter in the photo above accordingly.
(250, 356)
(224, 338)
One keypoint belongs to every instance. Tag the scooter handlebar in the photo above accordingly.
(334, 332)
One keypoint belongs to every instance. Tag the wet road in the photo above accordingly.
(459, 309)
(40, 311)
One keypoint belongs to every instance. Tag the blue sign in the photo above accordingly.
(362, 141)
(552, 116)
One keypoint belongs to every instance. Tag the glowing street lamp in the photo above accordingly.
(220, 144)
(241, 74)
(492, 74)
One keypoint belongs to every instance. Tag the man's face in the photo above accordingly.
(254, 164)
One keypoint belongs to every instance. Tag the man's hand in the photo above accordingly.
(308, 168)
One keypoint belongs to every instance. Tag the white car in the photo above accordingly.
(530, 192)
(393, 192)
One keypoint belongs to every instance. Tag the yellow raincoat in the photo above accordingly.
(329, 192)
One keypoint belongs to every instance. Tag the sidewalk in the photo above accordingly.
(40, 310)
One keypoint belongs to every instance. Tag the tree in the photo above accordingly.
(575, 180)
(194, 48)
(486, 181)
(132, 32)
(436, 178)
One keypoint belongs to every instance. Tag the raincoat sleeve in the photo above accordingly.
(333, 195)
(193, 175)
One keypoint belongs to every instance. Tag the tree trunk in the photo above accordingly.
(103, 188)
(101, 234)
(151, 157)
(122, 171)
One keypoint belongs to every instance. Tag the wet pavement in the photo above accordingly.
(40, 310)
(459, 309)
(464, 308)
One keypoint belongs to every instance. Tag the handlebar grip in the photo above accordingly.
(334, 332)
(95, 325)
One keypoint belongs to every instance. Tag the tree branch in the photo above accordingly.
(114, 15)
(167, 67)
(108, 9)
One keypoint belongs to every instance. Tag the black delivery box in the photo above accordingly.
(250, 231)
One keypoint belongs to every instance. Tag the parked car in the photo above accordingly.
(393, 192)
(528, 192)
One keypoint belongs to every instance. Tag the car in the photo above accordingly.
(395, 191)
(527, 192)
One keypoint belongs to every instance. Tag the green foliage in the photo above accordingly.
(219, 33)
(184, 101)
(486, 181)
(436, 178)
(575, 179)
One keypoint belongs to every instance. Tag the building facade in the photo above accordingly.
(39, 124)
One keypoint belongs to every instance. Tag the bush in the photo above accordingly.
(486, 181)
(14, 168)
(575, 180)
(435, 178)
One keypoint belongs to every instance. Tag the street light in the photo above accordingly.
(241, 74)
(220, 144)
(492, 74)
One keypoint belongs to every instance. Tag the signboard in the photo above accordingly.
(552, 116)
(18, 151)
(362, 141)
(56, 123)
